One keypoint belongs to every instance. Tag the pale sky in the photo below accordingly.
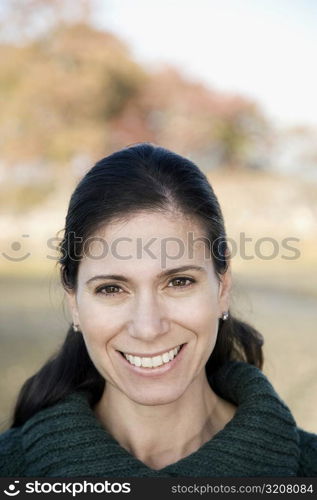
(263, 49)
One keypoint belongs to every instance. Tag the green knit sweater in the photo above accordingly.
(66, 440)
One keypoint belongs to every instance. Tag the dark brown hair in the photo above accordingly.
(142, 177)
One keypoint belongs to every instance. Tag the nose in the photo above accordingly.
(148, 321)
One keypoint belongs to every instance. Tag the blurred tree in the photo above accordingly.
(71, 94)
(60, 91)
(25, 20)
(240, 131)
(216, 128)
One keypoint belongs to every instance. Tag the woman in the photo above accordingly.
(155, 377)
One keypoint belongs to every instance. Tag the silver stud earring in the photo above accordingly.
(75, 327)
(225, 316)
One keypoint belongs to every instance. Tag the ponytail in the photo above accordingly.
(236, 341)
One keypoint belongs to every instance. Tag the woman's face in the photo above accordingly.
(133, 298)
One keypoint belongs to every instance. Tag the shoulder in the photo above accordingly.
(11, 453)
(308, 454)
(18, 444)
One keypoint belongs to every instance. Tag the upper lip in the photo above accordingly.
(151, 355)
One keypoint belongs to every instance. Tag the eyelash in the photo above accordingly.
(104, 287)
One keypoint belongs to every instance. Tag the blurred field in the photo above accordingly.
(277, 296)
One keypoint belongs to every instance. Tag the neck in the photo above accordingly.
(163, 434)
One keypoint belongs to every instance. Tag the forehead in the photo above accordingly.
(146, 242)
(155, 224)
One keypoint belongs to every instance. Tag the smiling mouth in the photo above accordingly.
(155, 361)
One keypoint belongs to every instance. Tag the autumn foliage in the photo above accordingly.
(75, 92)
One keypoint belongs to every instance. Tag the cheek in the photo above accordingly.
(98, 329)
(201, 310)
(98, 323)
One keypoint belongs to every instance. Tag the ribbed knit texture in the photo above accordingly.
(66, 440)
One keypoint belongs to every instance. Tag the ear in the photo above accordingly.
(224, 291)
(72, 306)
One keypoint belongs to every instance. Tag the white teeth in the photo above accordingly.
(157, 361)
(165, 357)
(137, 361)
(154, 361)
(147, 362)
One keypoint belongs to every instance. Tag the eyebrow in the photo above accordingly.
(166, 273)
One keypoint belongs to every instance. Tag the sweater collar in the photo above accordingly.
(260, 440)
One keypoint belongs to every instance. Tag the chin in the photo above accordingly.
(156, 397)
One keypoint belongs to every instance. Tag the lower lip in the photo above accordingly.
(157, 371)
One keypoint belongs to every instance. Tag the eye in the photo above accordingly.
(109, 290)
(179, 282)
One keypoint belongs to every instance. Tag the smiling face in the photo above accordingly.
(153, 291)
